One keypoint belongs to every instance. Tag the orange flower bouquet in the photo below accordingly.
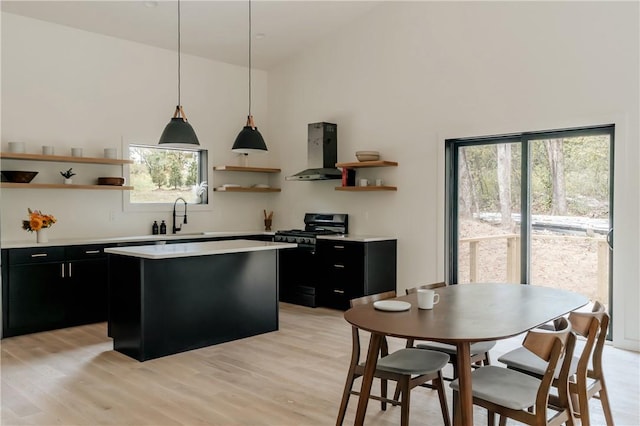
(37, 221)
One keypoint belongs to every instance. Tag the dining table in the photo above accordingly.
(464, 314)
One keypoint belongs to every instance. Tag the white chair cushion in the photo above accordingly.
(523, 359)
(502, 386)
(476, 348)
(413, 361)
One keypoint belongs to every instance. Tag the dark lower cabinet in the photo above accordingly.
(298, 277)
(36, 301)
(351, 269)
(87, 281)
(53, 287)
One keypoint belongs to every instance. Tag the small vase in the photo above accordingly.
(68, 181)
(42, 236)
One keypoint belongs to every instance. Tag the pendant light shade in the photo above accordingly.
(249, 140)
(179, 131)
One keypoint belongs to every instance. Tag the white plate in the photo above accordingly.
(392, 305)
(230, 185)
(261, 185)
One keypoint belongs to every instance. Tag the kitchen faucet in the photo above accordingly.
(184, 216)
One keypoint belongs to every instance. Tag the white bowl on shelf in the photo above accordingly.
(367, 155)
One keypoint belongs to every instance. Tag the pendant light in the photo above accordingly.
(179, 130)
(249, 139)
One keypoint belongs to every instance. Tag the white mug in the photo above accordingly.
(76, 152)
(16, 147)
(378, 182)
(110, 153)
(364, 182)
(427, 298)
(47, 150)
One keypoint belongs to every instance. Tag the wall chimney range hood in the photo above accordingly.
(322, 153)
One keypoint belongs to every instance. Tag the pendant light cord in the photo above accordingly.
(249, 58)
(179, 53)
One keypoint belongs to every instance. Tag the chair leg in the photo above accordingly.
(503, 420)
(604, 400)
(456, 408)
(383, 393)
(583, 403)
(406, 398)
(396, 393)
(491, 418)
(439, 384)
(345, 399)
(570, 419)
(487, 359)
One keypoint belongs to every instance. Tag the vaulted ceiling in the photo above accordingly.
(212, 29)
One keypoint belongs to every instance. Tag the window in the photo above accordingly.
(532, 208)
(160, 175)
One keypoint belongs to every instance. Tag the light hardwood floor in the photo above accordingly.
(293, 376)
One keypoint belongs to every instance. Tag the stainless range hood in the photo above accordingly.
(322, 153)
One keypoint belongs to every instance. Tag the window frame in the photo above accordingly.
(129, 206)
(524, 139)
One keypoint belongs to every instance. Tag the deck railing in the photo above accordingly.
(513, 257)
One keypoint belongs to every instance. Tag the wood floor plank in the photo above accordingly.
(293, 376)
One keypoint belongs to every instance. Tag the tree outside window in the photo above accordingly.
(160, 175)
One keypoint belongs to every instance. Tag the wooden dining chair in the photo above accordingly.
(408, 367)
(522, 397)
(584, 382)
(479, 350)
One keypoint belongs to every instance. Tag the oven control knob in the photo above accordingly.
(292, 240)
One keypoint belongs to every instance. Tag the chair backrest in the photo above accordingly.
(432, 286)
(355, 335)
(593, 326)
(551, 346)
(365, 300)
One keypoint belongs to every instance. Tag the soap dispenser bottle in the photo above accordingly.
(154, 228)
(163, 228)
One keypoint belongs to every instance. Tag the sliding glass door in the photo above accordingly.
(532, 208)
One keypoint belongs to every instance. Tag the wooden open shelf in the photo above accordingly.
(362, 164)
(63, 186)
(359, 164)
(246, 169)
(63, 158)
(366, 188)
(245, 189)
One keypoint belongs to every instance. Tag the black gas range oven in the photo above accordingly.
(299, 267)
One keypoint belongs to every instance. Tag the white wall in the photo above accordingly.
(65, 87)
(411, 74)
(400, 80)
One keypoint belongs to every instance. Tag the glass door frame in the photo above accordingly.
(524, 139)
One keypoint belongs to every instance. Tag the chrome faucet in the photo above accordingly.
(184, 216)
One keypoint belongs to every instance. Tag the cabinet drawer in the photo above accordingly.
(342, 253)
(85, 252)
(36, 255)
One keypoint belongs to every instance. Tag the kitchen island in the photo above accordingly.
(165, 299)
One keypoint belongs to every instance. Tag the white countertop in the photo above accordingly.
(356, 238)
(128, 239)
(170, 251)
(172, 237)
